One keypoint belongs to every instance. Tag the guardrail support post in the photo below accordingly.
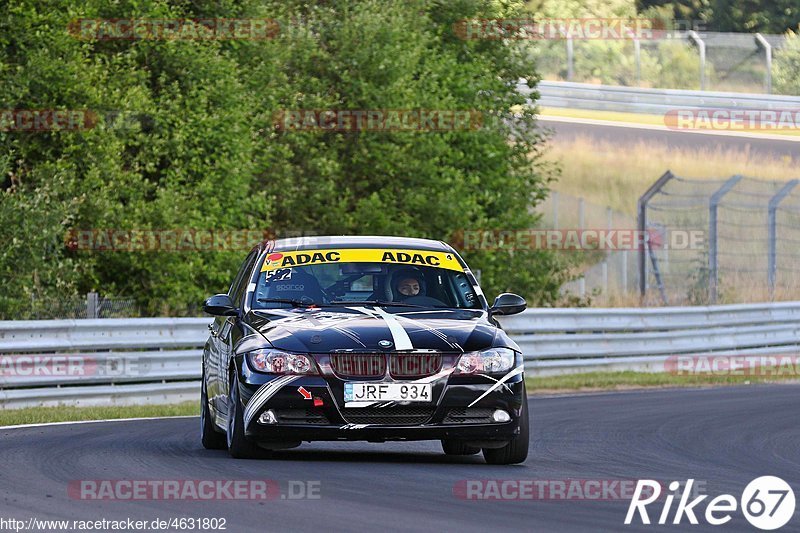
(701, 48)
(713, 264)
(763, 43)
(772, 220)
(642, 209)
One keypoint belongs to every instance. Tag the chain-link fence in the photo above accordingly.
(739, 62)
(604, 275)
(746, 248)
(90, 306)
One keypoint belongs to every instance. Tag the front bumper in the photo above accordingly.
(317, 414)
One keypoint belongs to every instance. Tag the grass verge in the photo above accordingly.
(610, 381)
(40, 415)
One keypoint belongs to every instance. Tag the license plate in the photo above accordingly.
(361, 394)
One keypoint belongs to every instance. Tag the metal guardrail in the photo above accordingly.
(157, 360)
(100, 361)
(650, 101)
(556, 341)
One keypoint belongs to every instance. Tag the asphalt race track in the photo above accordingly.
(722, 437)
(761, 148)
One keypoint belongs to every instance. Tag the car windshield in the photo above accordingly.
(408, 278)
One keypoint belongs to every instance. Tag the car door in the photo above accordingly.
(230, 327)
(220, 347)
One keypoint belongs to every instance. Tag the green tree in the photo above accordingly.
(188, 140)
(750, 16)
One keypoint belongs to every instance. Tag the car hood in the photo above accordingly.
(372, 329)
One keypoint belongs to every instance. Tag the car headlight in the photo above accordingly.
(491, 360)
(277, 362)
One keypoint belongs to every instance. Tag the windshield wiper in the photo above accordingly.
(303, 302)
(376, 302)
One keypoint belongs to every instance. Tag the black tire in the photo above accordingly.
(239, 446)
(455, 447)
(516, 451)
(209, 436)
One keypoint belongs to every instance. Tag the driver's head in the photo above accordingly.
(408, 287)
(408, 283)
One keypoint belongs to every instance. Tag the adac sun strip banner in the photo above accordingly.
(362, 255)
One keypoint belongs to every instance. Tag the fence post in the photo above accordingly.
(763, 43)
(701, 48)
(713, 264)
(624, 282)
(555, 209)
(609, 226)
(772, 220)
(570, 58)
(642, 216)
(92, 307)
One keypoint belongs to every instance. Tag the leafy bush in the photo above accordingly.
(786, 67)
(196, 146)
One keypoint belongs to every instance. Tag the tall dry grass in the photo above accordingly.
(616, 175)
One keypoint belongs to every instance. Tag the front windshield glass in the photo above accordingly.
(413, 278)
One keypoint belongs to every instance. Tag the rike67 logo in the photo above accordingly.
(767, 503)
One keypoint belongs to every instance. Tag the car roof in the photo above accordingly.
(319, 242)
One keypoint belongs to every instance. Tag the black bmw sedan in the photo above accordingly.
(361, 338)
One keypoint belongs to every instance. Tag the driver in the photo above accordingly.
(408, 283)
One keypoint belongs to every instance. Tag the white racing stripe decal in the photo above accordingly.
(519, 370)
(425, 327)
(506, 387)
(401, 339)
(263, 394)
(435, 377)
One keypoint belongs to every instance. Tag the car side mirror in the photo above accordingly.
(220, 305)
(508, 304)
